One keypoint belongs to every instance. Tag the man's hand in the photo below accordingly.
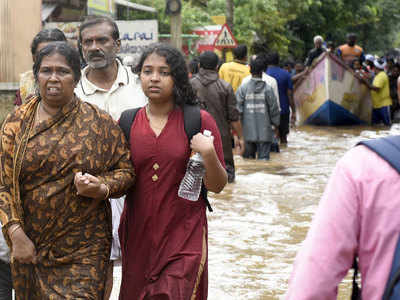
(239, 144)
(293, 119)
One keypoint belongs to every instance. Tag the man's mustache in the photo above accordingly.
(96, 54)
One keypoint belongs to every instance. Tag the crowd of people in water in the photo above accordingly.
(380, 74)
(84, 189)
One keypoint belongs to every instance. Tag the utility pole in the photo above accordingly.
(173, 8)
(176, 31)
(229, 13)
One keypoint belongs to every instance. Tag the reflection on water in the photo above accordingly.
(259, 222)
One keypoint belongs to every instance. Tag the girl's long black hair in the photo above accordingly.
(183, 92)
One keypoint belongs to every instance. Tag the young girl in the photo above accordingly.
(164, 237)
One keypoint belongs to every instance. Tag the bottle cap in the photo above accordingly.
(207, 132)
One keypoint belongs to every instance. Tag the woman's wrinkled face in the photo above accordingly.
(56, 80)
(157, 82)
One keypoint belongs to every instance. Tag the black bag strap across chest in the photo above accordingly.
(126, 121)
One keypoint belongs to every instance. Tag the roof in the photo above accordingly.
(135, 6)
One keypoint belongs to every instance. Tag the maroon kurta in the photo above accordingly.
(164, 237)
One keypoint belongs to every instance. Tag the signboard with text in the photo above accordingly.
(207, 37)
(134, 35)
(137, 34)
(100, 7)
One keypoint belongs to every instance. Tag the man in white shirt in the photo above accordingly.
(111, 86)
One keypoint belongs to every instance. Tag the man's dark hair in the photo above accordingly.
(193, 65)
(47, 35)
(94, 20)
(264, 58)
(288, 63)
(240, 52)
(257, 66)
(330, 44)
(351, 35)
(273, 59)
(63, 48)
(208, 60)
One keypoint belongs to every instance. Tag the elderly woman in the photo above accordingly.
(27, 86)
(61, 158)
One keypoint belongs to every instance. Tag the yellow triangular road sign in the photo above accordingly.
(225, 39)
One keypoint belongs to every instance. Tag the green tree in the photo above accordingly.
(288, 26)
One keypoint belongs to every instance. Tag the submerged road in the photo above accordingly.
(259, 222)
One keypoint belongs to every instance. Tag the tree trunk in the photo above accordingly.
(229, 13)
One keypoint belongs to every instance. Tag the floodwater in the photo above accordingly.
(259, 222)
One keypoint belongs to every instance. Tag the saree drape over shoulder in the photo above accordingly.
(71, 233)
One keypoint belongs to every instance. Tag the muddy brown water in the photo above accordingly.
(260, 221)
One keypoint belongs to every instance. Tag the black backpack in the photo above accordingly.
(387, 148)
(192, 124)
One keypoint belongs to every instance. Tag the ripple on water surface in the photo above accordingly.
(259, 222)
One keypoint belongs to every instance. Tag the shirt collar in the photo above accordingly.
(90, 88)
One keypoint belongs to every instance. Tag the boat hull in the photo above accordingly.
(331, 94)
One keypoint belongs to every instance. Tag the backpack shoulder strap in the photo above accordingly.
(192, 124)
(192, 120)
(387, 148)
(392, 291)
(126, 121)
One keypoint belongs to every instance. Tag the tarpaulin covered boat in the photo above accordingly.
(332, 94)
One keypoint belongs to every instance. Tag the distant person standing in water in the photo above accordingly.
(285, 87)
(259, 112)
(217, 97)
(380, 94)
(234, 72)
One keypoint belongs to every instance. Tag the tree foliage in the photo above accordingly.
(288, 26)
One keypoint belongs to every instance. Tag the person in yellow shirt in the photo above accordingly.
(380, 93)
(234, 72)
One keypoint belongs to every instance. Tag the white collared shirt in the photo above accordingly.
(125, 93)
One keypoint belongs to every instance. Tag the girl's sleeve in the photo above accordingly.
(208, 123)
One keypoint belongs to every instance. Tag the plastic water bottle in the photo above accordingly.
(190, 186)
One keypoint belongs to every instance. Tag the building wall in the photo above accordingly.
(7, 99)
(20, 21)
